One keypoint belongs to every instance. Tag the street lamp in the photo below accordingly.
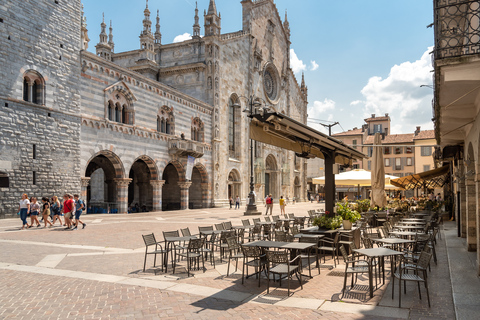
(254, 104)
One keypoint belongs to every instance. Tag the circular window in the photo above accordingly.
(270, 82)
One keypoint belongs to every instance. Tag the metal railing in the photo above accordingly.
(457, 28)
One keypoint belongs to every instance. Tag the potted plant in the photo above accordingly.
(348, 215)
(327, 222)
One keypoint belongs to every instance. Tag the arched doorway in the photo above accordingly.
(234, 184)
(297, 191)
(140, 190)
(171, 199)
(271, 177)
(197, 192)
(103, 169)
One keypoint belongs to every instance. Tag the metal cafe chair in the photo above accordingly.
(192, 255)
(149, 240)
(279, 263)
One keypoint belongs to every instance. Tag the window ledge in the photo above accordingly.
(234, 160)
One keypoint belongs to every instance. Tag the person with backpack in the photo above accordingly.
(79, 207)
(56, 210)
(269, 204)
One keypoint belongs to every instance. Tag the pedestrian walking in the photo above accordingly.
(269, 204)
(34, 210)
(68, 210)
(282, 205)
(79, 207)
(237, 202)
(55, 208)
(231, 202)
(23, 209)
(46, 211)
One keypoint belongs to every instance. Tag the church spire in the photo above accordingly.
(158, 35)
(147, 24)
(303, 87)
(286, 26)
(110, 36)
(212, 21)
(212, 8)
(196, 26)
(104, 49)
(84, 32)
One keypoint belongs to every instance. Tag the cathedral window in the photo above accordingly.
(165, 120)
(197, 131)
(119, 109)
(33, 87)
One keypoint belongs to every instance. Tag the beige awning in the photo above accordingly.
(281, 131)
(435, 178)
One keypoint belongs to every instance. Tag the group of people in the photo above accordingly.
(52, 209)
(269, 204)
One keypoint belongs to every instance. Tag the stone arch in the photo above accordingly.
(140, 191)
(171, 192)
(198, 190)
(297, 188)
(106, 173)
(272, 178)
(234, 184)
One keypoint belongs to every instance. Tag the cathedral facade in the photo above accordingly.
(162, 127)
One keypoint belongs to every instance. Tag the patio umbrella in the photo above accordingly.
(378, 174)
(356, 177)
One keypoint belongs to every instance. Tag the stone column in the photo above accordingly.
(122, 194)
(471, 199)
(157, 194)
(463, 203)
(30, 91)
(85, 181)
(184, 194)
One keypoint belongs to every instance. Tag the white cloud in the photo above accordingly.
(182, 37)
(314, 65)
(296, 64)
(400, 94)
(318, 113)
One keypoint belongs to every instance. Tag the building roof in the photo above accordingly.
(351, 132)
(377, 119)
(393, 138)
(424, 135)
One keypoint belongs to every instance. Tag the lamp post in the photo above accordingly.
(252, 205)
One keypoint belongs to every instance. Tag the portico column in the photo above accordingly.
(85, 181)
(184, 194)
(122, 194)
(329, 181)
(157, 194)
(471, 200)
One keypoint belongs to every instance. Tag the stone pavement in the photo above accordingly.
(96, 273)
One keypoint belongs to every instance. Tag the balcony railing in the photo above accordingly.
(185, 148)
(457, 28)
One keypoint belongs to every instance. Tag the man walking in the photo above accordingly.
(79, 207)
(237, 202)
(269, 204)
(68, 210)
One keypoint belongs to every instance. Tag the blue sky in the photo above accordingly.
(359, 57)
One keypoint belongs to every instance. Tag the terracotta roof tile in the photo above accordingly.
(350, 132)
(377, 119)
(425, 134)
(393, 138)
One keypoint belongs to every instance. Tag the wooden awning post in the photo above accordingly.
(329, 181)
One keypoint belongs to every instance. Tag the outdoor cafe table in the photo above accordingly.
(413, 220)
(381, 253)
(395, 242)
(306, 235)
(292, 246)
(411, 223)
(408, 227)
(403, 233)
(169, 242)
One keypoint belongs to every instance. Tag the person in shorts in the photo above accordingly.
(34, 211)
(269, 204)
(46, 211)
(68, 209)
(79, 206)
(55, 208)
